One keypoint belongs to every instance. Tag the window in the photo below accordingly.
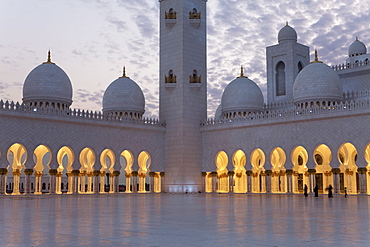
(280, 79)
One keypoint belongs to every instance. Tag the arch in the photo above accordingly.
(144, 161)
(127, 161)
(195, 73)
(258, 159)
(300, 66)
(195, 10)
(299, 158)
(280, 79)
(42, 157)
(221, 161)
(240, 176)
(347, 157)
(367, 158)
(17, 156)
(65, 158)
(170, 73)
(278, 176)
(170, 11)
(87, 160)
(322, 156)
(107, 160)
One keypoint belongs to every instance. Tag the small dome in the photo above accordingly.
(242, 95)
(218, 112)
(317, 82)
(124, 96)
(357, 48)
(287, 33)
(47, 83)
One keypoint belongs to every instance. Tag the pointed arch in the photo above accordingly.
(240, 176)
(221, 162)
(278, 176)
(348, 177)
(258, 160)
(322, 156)
(299, 158)
(127, 161)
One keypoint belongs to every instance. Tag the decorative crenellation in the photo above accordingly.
(195, 15)
(295, 112)
(355, 64)
(75, 113)
(347, 96)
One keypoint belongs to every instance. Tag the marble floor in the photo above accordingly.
(184, 220)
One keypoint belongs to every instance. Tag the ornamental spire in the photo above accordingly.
(286, 23)
(316, 58)
(242, 73)
(49, 58)
(124, 73)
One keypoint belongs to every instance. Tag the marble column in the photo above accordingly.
(28, 173)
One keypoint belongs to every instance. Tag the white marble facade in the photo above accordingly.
(298, 137)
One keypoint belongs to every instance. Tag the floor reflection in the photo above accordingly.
(183, 220)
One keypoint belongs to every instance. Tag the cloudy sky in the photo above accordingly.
(92, 39)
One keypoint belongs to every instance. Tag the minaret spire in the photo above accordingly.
(49, 58)
(316, 58)
(124, 73)
(242, 73)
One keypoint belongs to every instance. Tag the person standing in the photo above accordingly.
(345, 192)
(305, 190)
(316, 190)
(330, 189)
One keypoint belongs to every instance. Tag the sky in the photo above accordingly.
(91, 40)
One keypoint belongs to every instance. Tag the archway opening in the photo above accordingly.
(323, 177)
(299, 158)
(65, 158)
(144, 160)
(278, 176)
(16, 156)
(127, 161)
(87, 161)
(221, 162)
(348, 177)
(258, 160)
(240, 177)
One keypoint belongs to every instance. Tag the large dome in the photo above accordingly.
(357, 48)
(287, 33)
(124, 96)
(242, 95)
(47, 83)
(317, 82)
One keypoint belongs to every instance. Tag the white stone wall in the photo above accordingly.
(287, 133)
(32, 130)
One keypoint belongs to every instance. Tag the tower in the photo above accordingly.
(284, 61)
(183, 88)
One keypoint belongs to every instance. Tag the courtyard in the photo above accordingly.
(184, 220)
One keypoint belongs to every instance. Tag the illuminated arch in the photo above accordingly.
(127, 161)
(221, 161)
(17, 156)
(107, 160)
(240, 177)
(42, 157)
(367, 158)
(65, 158)
(347, 157)
(299, 158)
(258, 159)
(278, 176)
(87, 160)
(144, 160)
(322, 157)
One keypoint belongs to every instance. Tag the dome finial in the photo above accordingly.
(356, 38)
(124, 73)
(316, 57)
(242, 73)
(49, 58)
(286, 23)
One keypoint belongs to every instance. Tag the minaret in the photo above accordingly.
(284, 61)
(183, 87)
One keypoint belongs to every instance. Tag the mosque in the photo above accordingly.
(311, 130)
